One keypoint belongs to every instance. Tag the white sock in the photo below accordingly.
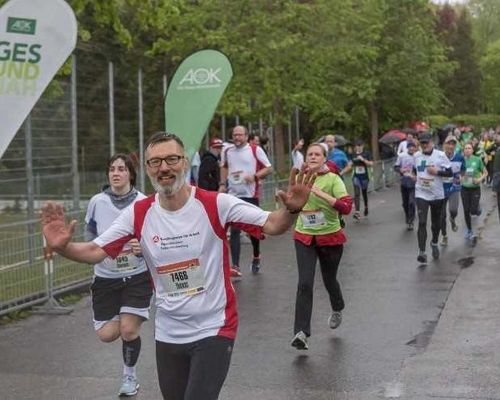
(129, 371)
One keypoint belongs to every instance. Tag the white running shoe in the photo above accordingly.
(129, 386)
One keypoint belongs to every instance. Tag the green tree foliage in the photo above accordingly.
(409, 61)
(350, 65)
(490, 64)
(486, 29)
(462, 88)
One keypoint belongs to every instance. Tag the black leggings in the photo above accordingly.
(408, 198)
(234, 239)
(422, 211)
(193, 371)
(470, 204)
(329, 259)
(357, 192)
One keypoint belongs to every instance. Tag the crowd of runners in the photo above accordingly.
(175, 242)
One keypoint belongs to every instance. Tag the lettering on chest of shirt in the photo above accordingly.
(180, 241)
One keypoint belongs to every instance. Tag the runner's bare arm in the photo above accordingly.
(261, 174)
(299, 188)
(483, 176)
(223, 179)
(58, 235)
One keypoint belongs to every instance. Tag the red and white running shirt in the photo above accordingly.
(241, 162)
(188, 256)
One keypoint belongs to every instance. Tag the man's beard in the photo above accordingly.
(169, 189)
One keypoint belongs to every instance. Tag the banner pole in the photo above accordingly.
(111, 109)
(30, 200)
(141, 132)
(223, 127)
(74, 137)
(297, 124)
(165, 87)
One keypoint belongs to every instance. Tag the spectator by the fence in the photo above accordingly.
(209, 175)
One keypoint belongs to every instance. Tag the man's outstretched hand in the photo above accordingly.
(299, 188)
(54, 228)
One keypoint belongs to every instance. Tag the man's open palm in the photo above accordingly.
(299, 188)
(54, 228)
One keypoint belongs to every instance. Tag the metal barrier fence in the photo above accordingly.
(24, 273)
(27, 280)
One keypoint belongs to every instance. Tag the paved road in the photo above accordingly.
(393, 306)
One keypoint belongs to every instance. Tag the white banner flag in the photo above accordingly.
(36, 38)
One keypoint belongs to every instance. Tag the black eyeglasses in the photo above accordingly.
(170, 160)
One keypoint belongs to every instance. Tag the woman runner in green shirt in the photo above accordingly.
(475, 173)
(318, 234)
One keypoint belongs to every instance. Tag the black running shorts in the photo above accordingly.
(111, 297)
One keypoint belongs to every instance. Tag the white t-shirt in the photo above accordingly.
(297, 159)
(188, 256)
(102, 212)
(241, 162)
(193, 171)
(402, 148)
(430, 187)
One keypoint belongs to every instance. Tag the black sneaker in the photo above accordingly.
(300, 341)
(422, 257)
(454, 226)
(435, 250)
(256, 265)
(473, 240)
(410, 226)
(366, 212)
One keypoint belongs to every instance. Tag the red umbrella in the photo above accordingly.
(393, 136)
(419, 126)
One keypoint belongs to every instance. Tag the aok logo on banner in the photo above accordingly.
(19, 61)
(200, 78)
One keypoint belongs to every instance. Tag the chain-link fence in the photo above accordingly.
(25, 277)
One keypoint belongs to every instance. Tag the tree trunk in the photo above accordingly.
(373, 123)
(279, 138)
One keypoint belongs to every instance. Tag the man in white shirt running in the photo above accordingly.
(431, 167)
(182, 233)
(242, 167)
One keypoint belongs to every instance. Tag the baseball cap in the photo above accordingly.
(451, 138)
(411, 143)
(216, 142)
(425, 137)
